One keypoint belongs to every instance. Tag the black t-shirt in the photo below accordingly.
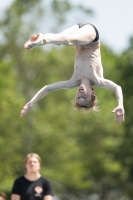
(32, 190)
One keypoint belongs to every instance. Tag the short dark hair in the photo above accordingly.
(2, 194)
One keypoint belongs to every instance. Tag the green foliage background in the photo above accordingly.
(83, 154)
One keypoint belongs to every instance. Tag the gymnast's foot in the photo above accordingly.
(25, 109)
(34, 41)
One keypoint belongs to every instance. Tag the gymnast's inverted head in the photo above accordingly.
(86, 99)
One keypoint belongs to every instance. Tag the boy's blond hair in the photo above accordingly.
(92, 106)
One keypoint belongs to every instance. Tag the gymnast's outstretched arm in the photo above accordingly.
(119, 110)
(46, 90)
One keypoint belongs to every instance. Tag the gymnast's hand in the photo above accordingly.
(119, 114)
(26, 108)
(34, 41)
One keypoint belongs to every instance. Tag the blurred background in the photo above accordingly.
(85, 156)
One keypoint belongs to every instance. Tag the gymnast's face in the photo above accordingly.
(83, 97)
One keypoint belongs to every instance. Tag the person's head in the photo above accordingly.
(85, 100)
(2, 196)
(32, 162)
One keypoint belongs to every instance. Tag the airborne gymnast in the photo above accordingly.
(88, 70)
